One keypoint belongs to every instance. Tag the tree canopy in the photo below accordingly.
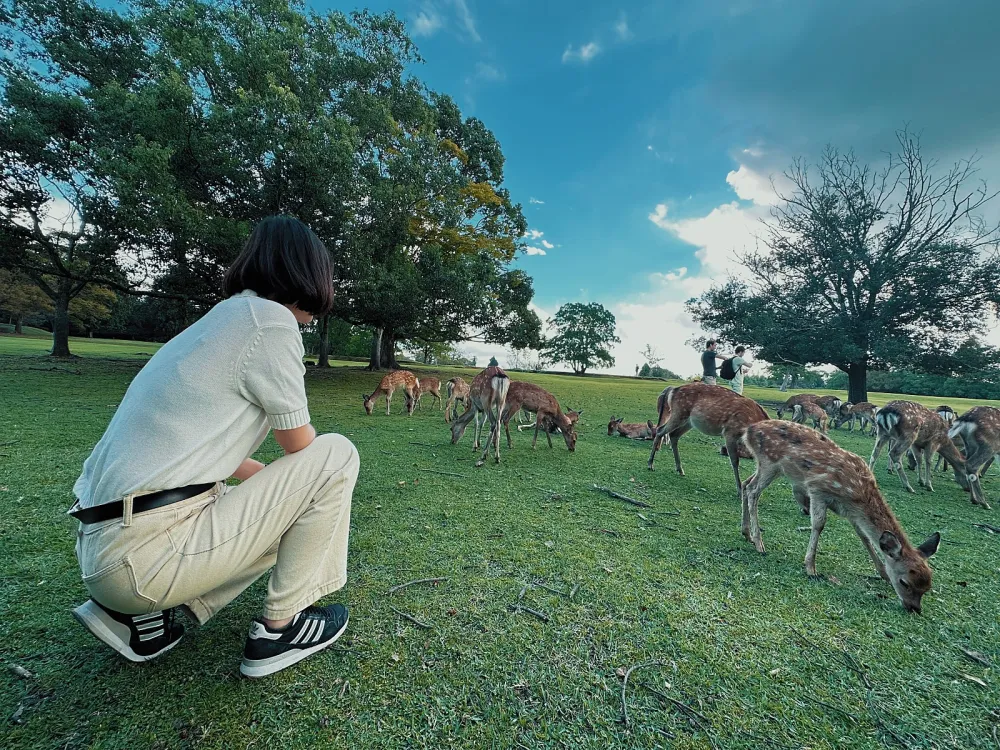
(864, 268)
(169, 127)
(583, 336)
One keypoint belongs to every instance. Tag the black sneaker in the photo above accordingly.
(136, 637)
(268, 651)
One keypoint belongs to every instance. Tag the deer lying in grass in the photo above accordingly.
(906, 426)
(433, 387)
(548, 415)
(390, 384)
(826, 477)
(709, 409)
(811, 411)
(631, 430)
(488, 395)
(458, 393)
(979, 428)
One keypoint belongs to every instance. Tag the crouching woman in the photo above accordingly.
(160, 532)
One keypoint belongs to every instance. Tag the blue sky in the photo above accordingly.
(641, 137)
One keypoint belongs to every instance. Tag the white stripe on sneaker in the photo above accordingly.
(149, 626)
(300, 636)
(319, 631)
(146, 618)
(151, 636)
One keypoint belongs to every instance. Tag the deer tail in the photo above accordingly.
(886, 419)
(962, 428)
(663, 404)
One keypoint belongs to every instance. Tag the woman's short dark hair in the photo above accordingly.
(283, 260)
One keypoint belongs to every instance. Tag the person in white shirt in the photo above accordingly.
(161, 532)
(740, 367)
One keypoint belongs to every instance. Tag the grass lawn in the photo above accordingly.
(761, 655)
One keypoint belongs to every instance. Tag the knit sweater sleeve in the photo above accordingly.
(272, 375)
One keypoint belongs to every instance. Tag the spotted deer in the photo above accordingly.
(631, 430)
(826, 477)
(432, 386)
(843, 415)
(549, 417)
(709, 409)
(864, 414)
(488, 396)
(830, 404)
(813, 412)
(979, 429)
(390, 384)
(906, 426)
(792, 401)
(458, 393)
(948, 416)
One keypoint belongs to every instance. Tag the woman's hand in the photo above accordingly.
(247, 469)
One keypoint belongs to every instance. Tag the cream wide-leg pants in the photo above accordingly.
(294, 515)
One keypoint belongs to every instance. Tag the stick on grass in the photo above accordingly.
(619, 496)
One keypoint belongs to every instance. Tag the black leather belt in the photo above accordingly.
(140, 504)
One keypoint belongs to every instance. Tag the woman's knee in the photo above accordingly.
(338, 453)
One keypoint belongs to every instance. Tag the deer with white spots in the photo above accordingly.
(979, 428)
(813, 412)
(392, 382)
(632, 430)
(488, 394)
(908, 426)
(825, 477)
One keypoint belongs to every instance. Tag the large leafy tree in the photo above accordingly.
(864, 268)
(21, 297)
(583, 336)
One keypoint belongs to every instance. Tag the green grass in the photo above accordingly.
(675, 584)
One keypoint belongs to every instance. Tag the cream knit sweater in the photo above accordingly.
(203, 403)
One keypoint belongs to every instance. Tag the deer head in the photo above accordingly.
(369, 404)
(613, 424)
(907, 567)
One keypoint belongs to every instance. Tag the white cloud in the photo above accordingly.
(547, 245)
(621, 28)
(584, 54)
(724, 232)
(465, 20)
(536, 202)
(531, 250)
(752, 186)
(426, 23)
(533, 234)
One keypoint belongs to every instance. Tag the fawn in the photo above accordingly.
(811, 410)
(631, 430)
(488, 395)
(825, 477)
(390, 383)
(979, 428)
(909, 426)
(534, 399)
(432, 386)
(709, 409)
(458, 393)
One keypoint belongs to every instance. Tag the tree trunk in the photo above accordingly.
(389, 349)
(18, 325)
(375, 360)
(857, 379)
(795, 379)
(324, 342)
(60, 322)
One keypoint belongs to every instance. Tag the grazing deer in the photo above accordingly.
(458, 393)
(390, 383)
(631, 430)
(790, 404)
(488, 395)
(864, 413)
(948, 415)
(548, 416)
(432, 386)
(830, 404)
(843, 415)
(826, 477)
(811, 410)
(979, 428)
(709, 409)
(906, 426)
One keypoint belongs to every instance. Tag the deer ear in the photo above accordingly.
(930, 545)
(650, 425)
(580, 413)
(890, 544)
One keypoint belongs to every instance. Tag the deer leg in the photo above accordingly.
(873, 554)
(977, 457)
(896, 451)
(765, 474)
(506, 426)
(732, 448)
(388, 398)
(674, 437)
(548, 436)
(802, 498)
(880, 442)
(817, 514)
(928, 456)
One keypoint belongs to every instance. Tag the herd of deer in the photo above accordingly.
(824, 476)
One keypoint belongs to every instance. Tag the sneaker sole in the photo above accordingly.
(265, 667)
(100, 625)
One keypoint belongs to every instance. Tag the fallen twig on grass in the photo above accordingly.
(832, 707)
(987, 527)
(521, 608)
(406, 585)
(9, 442)
(21, 672)
(425, 445)
(446, 473)
(411, 618)
(628, 673)
(975, 656)
(554, 590)
(608, 532)
(700, 719)
(619, 496)
(572, 593)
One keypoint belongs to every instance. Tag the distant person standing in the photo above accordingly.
(740, 366)
(786, 382)
(708, 367)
